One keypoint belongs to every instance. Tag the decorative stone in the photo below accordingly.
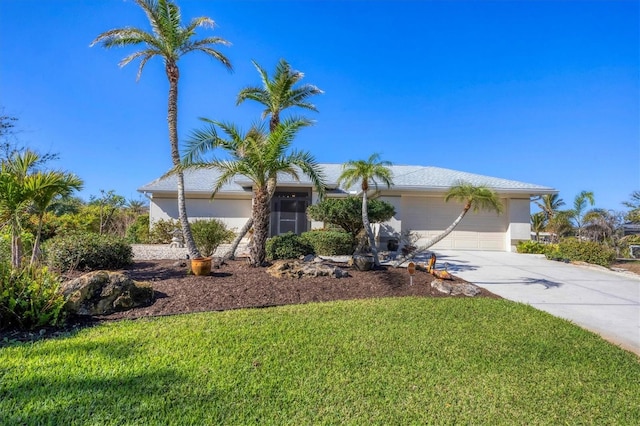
(298, 269)
(363, 262)
(455, 289)
(104, 292)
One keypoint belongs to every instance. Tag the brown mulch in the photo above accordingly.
(236, 285)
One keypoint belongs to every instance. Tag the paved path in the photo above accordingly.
(605, 302)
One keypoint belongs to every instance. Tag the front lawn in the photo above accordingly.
(381, 361)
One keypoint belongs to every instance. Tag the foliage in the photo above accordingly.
(360, 362)
(347, 213)
(209, 234)
(108, 203)
(26, 239)
(329, 243)
(583, 251)
(138, 231)
(626, 243)
(29, 297)
(162, 230)
(87, 251)
(287, 246)
(533, 247)
(634, 204)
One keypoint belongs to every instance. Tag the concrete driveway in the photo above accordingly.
(605, 302)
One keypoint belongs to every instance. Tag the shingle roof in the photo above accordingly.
(405, 178)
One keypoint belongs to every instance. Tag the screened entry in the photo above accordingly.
(288, 212)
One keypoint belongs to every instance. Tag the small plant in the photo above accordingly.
(87, 251)
(583, 251)
(29, 297)
(328, 242)
(138, 231)
(287, 246)
(209, 234)
(162, 231)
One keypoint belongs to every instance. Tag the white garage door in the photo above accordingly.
(430, 216)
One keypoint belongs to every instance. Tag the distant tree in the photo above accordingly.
(347, 213)
(367, 172)
(474, 198)
(109, 203)
(634, 204)
(259, 156)
(538, 223)
(169, 40)
(550, 204)
(603, 226)
(579, 205)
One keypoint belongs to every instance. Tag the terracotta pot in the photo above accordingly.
(201, 266)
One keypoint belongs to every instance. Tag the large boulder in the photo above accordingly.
(297, 269)
(104, 292)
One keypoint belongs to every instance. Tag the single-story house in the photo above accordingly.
(417, 195)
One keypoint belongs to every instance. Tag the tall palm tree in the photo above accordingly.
(279, 93)
(260, 156)
(538, 223)
(475, 198)
(44, 187)
(169, 40)
(276, 94)
(367, 172)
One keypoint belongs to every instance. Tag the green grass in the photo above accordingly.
(386, 361)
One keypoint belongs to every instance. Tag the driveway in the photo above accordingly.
(605, 302)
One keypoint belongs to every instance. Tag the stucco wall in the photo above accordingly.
(234, 213)
(519, 211)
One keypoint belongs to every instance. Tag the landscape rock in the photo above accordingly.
(104, 292)
(298, 269)
(454, 289)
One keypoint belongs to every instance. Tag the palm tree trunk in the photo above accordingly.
(260, 216)
(367, 228)
(436, 239)
(173, 75)
(36, 244)
(16, 249)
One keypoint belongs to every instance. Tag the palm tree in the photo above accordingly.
(367, 172)
(44, 187)
(169, 40)
(276, 94)
(279, 93)
(538, 223)
(259, 156)
(579, 204)
(634, 204)
(474, 197)
(550, 205)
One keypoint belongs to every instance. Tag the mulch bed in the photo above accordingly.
(236, 285)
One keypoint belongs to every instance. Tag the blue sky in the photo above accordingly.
(541, 92)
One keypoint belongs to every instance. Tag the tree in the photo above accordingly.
(347, 213)
(579, 204)
(44, 187)
(276, 94)
(279, 92)
(550, 205)
(169, 40)
(108, 203)
(603, 226)
(475, 198)
(367, 172)
(538, 223)
(634, 204)
(259, 156)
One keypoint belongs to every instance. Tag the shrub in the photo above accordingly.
(625, 246)
(532, 247)
(583, 251)
(138, 231)
(29, 297)
(162, 231)
(87, 251)
(329, 243)
(287, 246)
(209, 234)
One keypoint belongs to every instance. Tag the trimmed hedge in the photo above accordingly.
(287, 246)
(87, 251)
(583, 251)
(533, 247)
(329, 243)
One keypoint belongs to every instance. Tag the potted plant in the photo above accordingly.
(208, 235)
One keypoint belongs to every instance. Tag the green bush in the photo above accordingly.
(209, 234)
(162, 231)
(287, 246)
(138, 231)
(329, 243)
(29, 297)
(626, 242)
(87, 251)
(532, 247)
(583, 251)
